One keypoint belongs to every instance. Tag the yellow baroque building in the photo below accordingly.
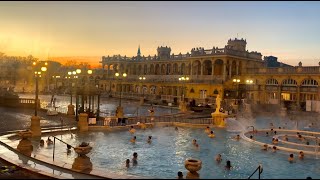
(232, 72)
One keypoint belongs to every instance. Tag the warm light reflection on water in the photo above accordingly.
(165, 156)
(107, 105)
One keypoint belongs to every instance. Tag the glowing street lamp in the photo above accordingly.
(119, 112)
(183, 79)
(237, 81)
(37, 74)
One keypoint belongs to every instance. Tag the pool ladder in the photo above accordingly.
(54, 145)
(260, 171)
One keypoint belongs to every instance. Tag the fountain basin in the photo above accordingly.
(193, 165)
(81, 151)
(25, 134)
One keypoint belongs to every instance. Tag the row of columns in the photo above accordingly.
(191, 69)
(162, 90)
(279, 91)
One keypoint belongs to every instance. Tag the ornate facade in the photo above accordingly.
(211, 72)
(208, 70)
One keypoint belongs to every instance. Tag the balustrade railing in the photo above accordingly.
(114, 121)
(285, 70)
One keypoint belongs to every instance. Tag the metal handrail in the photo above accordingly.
(54, 143)
(260, 171)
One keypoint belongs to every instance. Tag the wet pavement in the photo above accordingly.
(12, 119)
(9, 171)
(20, 119)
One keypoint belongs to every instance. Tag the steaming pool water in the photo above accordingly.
(165, 156)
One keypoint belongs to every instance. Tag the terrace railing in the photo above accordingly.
(180, 118)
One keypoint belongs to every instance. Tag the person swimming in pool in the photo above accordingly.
(265, 147)
(132, 130)
(228, 165)
(237, 137)
(274, 149)
(149, 139)
(291, 159)
(207, 130)
(133, 140)
(301, 155)
(218, 158)
(135, 158)
(211, 135)
(128, 163)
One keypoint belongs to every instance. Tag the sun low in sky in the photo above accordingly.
(90, 30)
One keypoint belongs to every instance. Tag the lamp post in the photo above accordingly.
(183, 106)
(119, 111)
(78, 71)
(56, 85)
(37, 76)
(236, 82)
(35, 120)
(249, 82)
(142, 78)
(72, 75)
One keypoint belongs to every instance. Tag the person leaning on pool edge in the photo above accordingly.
(180, 175)
(135, 158)
(228, 165)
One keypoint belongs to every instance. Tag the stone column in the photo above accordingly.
(318, 95)
(264, 99)
(201, 69)
(279, 94)
(237, 69)
(83, 122)
(119, 112)
(229, 70)
(212, 71)
(224, 71)
(35, 126)
(70, 109)
(298, 96)
(141, 100)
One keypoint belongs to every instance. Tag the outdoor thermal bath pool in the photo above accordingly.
(165, 156)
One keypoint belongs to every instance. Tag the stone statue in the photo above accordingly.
(218, 103)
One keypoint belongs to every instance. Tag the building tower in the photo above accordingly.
(164, 52)
(237, 44)
(139, 53)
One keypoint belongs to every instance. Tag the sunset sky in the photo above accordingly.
(288, 30)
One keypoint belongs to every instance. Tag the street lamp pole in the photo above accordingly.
(77, 100)
(37, 75)
(142, 78)
(236, 103)
(237, 81)
(183, 79)
(119, 112)
(72, 75)
(35, 120)
(37, 89)
(249, 83)
(183, 107)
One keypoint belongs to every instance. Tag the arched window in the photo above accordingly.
(289, 82)
(145, 68)
(218, 67)
(272, 82)
(309, 82)
(175, 68)
(207, 67)
(196, 68)
(183, 69)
